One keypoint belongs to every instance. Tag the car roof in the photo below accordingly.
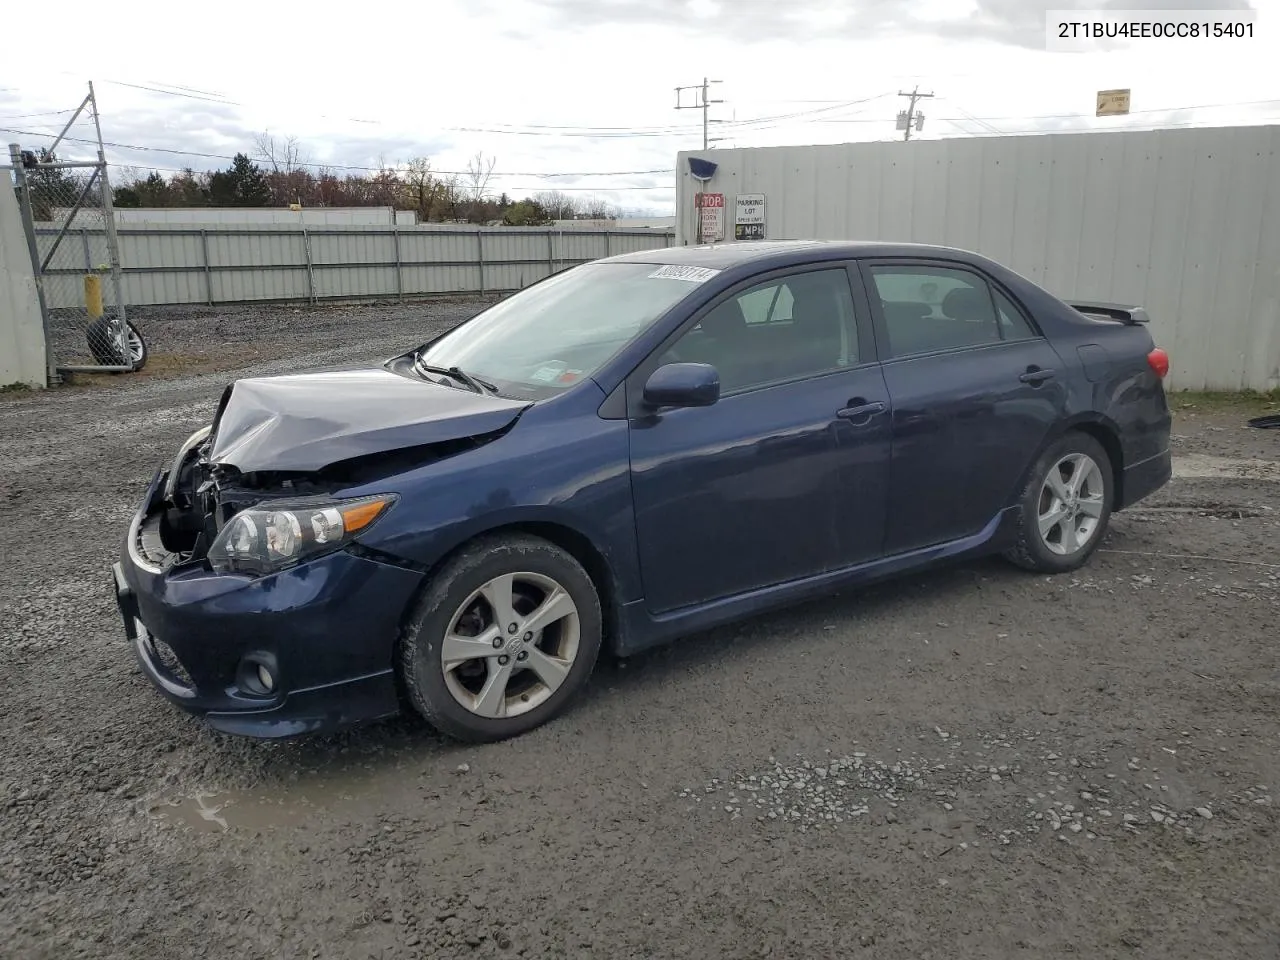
(722, 256)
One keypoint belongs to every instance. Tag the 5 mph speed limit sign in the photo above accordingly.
(748, 219)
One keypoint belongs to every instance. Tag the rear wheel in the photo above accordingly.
(504, 637)
(1065, 507)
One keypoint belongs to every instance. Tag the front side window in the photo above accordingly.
(928, 309)
(544, 339)
(796, 326)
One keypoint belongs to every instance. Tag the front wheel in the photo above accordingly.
(507, 633)
(1065, 507)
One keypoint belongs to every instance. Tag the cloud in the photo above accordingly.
(502, 75)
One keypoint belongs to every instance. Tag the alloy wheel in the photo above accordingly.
(135, 347)
(510, 645)
(1072, 500)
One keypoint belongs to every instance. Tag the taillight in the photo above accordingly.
(1158, 360)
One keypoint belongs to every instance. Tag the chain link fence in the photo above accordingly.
(71, 234)
(75, 256)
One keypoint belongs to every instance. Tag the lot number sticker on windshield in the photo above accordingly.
(548, 372)
(692, 274)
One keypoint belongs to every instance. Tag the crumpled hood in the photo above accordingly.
(304, 422)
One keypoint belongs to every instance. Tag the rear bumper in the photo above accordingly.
(1144, 478)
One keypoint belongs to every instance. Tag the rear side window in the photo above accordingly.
(1013, 323)
(929, 309)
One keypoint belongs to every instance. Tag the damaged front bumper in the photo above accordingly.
(323, 634)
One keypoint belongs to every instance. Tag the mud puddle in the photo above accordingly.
(1198, 466)
(1206, 508)
(221, 812)
(265, 808)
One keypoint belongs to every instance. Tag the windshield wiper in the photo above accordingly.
(472, 381)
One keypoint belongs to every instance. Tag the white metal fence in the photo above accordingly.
(165, 264)
(1183, 222)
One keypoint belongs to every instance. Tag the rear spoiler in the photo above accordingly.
(1110, 311)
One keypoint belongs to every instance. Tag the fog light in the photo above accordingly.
(266, 679)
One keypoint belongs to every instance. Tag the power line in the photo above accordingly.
(807, 116)
(652, 131)
(193, 94)
(542, 187)
(563, 129)
(1135, 128)
(982, 123)
(174, 93)
(45, 113)
(1072, 116)
(178, 86)
(214, 98)
(604, 133)
(341, 166)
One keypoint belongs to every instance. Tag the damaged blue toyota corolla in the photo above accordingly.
(630, 450)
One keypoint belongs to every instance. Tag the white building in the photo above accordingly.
(1185, 222)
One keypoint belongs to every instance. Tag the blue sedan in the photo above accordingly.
(629, 451)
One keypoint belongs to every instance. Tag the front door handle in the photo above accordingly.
(1036, 376)
(861, 411)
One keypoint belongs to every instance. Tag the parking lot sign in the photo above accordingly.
(748, 219)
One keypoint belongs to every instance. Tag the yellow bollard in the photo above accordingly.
(93, 295)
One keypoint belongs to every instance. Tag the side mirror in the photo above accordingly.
(683, 385)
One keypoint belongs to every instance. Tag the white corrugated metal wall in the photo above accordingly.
(164, 263)
(1184, 222)
(22, 350)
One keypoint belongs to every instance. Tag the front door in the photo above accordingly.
(976, 390)
(786, 475)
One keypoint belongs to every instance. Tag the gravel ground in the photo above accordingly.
(971, 763)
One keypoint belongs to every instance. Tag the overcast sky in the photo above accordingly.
(581, 87)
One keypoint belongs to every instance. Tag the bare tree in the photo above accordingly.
(557, 204)
(126, 173)
(479, 173)
(287, 176)
(279, 156)
(596, 208)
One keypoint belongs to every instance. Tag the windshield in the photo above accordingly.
(546, 338)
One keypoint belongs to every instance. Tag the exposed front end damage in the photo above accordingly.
(241, 581)
(198, 497)
(222, 469)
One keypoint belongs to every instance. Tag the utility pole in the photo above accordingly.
(909, 116)
(701, 102)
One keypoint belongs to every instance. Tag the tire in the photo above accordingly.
(1083, 522)
(461, 699)
(105, 348)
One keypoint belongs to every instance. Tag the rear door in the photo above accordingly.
(976, 389)
(786, 475)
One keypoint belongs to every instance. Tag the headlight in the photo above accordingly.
(273, 536)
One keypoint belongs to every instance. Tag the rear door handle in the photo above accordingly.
(1036, 376)
(861, 411)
